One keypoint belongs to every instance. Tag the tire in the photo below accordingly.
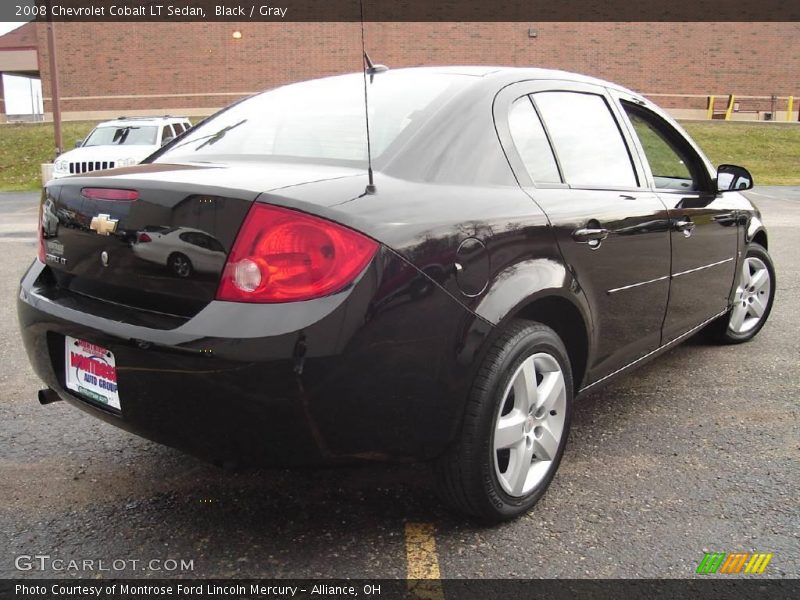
(180, 265)
(492, 470)
(753, 295)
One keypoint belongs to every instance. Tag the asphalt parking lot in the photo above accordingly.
(697, 451)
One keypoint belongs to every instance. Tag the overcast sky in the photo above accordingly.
(18, 89)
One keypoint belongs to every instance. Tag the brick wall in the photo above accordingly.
(179, 65)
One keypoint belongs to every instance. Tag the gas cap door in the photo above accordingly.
(472, 267)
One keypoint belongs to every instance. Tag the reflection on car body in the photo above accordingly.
(49, 219)
(182, 249)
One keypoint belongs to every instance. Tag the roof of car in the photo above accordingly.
(125, 121)
(510, 74)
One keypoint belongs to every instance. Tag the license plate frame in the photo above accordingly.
(90, 371)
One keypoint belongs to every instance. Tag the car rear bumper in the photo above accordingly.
(374, 372)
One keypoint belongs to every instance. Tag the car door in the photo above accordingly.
(703, 227)
(568, 151)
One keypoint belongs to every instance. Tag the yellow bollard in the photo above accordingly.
(729, 111)
(710, 111)
(790, 109)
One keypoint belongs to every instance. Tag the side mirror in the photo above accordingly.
(732, 178)
(78, 143)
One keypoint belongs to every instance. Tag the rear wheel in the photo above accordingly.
(515, 426)
(180, 265)
(752, 302)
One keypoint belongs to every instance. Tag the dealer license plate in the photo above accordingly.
(91, 372)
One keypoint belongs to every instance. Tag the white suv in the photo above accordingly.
(122, 142)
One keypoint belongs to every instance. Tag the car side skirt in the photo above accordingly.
(650, 355)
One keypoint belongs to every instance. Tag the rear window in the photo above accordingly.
(123, 136)
(321, 119)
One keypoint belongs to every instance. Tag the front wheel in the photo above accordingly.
(752, 302)
(515, 426)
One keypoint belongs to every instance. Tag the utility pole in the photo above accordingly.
(54, 91)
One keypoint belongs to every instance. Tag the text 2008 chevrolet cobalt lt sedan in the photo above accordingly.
(530, 235)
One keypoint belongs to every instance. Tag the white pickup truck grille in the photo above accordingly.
(88, 166)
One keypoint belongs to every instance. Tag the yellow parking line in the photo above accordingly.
(422, 566)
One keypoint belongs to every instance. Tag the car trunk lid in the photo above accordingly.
(156, 237)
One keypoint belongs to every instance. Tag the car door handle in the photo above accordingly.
(588, 234)
(684, 225)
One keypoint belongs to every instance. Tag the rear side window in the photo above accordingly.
(587, 140)
(178, 127)
(531, 142)
(201, 239)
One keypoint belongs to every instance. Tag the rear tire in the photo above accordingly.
(752, 303)
(180, 265)
(515, 428)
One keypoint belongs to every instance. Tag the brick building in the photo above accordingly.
(107, 69)
(18, 56)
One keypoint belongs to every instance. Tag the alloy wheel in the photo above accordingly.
(181, 266)
(529, 424)
(752, 296)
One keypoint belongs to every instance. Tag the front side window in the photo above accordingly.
(671, 165)
(587, 140)
(531, 142)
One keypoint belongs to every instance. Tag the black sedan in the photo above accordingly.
(528, 235)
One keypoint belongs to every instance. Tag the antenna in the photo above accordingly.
(368, 67)
(373, 69)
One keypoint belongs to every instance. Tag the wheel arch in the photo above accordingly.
(756, 232)
(760, 238)
(175, 253)
(565, 318)
(546, 291)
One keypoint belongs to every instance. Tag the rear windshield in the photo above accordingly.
(320, 119)
(118, 136)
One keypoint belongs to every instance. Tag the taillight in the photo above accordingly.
(282, 255)
(110, 194)
(143, 238)
(41, 233)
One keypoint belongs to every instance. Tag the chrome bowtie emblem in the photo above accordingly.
(104, 258)
(103, 224)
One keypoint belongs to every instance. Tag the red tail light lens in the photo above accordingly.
(110, 194)
(143, 238)
(282, 255)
